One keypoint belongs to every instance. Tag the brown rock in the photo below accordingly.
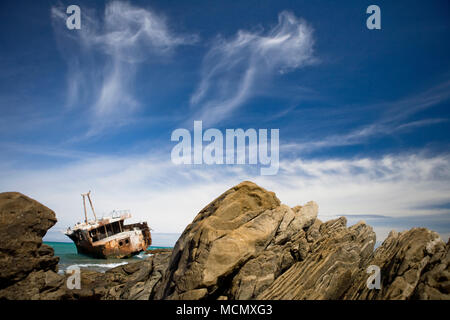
(288, 246)
(413, 264)
(223, 236)
(243, 245)
(434, 283)
(23, 223)
(328, 269)
(235, 247)
(139, 284)
(38, 285)
(132, 281)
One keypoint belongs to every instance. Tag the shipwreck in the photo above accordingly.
(109, 237)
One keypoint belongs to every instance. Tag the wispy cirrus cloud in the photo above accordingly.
(104, 54)
(233, 69)
(395, 118)
(404, 108)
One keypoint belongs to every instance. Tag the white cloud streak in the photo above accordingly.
(169, 196)
(393, 120)
(125, 36)
(234, 69)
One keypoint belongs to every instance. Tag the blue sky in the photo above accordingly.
(363, 114)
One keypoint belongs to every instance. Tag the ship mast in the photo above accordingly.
(84, 205)
(88, 195)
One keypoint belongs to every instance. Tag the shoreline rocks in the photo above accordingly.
(247, 245)
(244, 245)
(24, 259)
(414, 265)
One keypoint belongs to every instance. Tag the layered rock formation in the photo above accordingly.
(414, 265)
(133, 281)
(243, 245)
(246, 245)
(334, 255)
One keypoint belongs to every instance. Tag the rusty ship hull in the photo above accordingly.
(110, 238)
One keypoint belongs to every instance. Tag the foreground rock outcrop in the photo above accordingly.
(225, 235)
(246, 245)
(243, 245)
(23, 256)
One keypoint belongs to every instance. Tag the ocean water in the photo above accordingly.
(68, 256)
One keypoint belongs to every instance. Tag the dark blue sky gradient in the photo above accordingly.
(358, 75)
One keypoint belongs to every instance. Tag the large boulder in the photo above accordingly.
(242, 225)
(23, 223)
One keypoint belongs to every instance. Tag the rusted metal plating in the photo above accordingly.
(109, 237)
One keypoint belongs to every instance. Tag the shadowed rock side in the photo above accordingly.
(23, 223)
(414, 265)
(334, 255)
(133, 281)
(287, 246)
